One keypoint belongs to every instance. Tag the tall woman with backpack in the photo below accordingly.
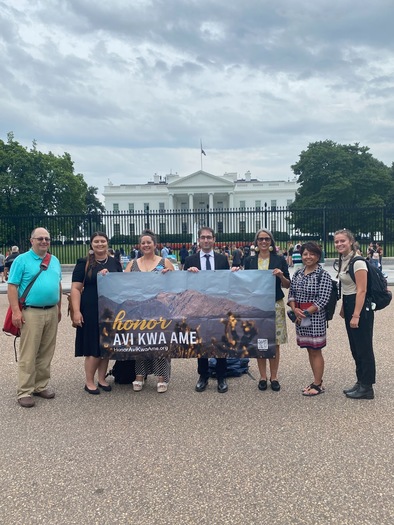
(358, 314)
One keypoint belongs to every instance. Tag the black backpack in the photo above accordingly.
(334, 296)
(123, 372)
(377, 290)
(236, 366)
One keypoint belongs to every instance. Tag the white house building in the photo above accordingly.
(199, 191)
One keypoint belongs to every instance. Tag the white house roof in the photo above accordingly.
(200, 179)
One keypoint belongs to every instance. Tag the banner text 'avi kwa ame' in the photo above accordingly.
(185, 314)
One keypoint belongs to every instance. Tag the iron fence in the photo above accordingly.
(70, 233)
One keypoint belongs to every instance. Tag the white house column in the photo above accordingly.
(191, 201)
(231, 200)
(171, 201)
(210, 195)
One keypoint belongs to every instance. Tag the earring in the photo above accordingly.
(271, 249)
(91, 252)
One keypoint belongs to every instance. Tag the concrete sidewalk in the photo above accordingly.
(183, 458)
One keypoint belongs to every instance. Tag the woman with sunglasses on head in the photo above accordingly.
(358, 314)
(309, 293)
(85, 305)
(266, 258)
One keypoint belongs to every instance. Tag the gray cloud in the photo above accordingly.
(128, 88)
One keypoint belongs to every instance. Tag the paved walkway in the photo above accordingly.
(182, 458)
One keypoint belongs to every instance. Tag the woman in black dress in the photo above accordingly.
(85, 304)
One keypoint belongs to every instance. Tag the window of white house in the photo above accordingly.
(115, 207)
(146, 206)
(273, 204)
(161, 206)
(242, 205)
(131, 206)
(257, 205)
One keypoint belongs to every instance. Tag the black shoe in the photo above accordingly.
(262, 384)
(275, 385)
(351, 389)
(362, 392)
(94, 392)
(106, 388)
(202, 384)
(222, 386)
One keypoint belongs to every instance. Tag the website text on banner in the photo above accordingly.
(183, 314)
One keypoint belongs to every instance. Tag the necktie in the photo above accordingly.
(208, 263)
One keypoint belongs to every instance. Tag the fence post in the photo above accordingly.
(147, 218)
(324, 232)
(265, 216)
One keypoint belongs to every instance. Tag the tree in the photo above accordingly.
(42, 184)
(33, 182)
(343, 177)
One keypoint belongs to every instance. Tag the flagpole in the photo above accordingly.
(202, 152)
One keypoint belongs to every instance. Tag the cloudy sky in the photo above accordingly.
(128, 87)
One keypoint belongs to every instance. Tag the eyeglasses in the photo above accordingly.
(261, 239)
(40, 239)
(206, 237)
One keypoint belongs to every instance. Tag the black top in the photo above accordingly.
(87, 341)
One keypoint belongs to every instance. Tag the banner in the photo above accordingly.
(185, 314)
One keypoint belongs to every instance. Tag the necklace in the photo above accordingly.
(102, 262)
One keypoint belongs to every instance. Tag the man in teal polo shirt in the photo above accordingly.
(38, 322)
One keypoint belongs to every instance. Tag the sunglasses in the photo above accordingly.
(261, 239)
(40, 239)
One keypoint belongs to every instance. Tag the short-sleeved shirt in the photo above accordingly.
(46, 289)
(348, 285)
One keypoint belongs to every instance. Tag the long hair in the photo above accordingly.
(91, 259)
(352, 240)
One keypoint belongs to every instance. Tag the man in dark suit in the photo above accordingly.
(207, 259)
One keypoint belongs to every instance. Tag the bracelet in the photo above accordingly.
(356, 316)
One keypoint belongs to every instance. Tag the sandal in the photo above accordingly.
(137, 385)
(162, 387)
(319, 389)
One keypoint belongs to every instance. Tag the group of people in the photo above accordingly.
(6, 263)
(309, 293)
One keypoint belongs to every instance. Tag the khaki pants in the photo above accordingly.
(37, 346)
